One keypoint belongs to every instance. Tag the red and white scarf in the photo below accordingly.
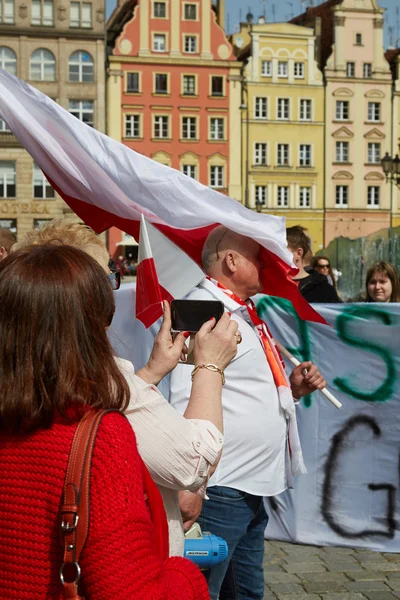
(279, 374)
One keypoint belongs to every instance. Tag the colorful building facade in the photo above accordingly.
(174, 89)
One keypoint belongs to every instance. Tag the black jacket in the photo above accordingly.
(316, 288)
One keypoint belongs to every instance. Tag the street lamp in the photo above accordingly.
(391, 168)
(259, 205)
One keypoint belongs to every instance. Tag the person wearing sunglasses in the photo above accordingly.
(323, 266)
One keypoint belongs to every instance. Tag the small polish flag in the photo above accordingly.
(164, 272)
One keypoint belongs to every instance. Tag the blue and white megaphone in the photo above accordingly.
(205, 549)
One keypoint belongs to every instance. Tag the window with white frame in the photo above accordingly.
(266, 68)
(132, 126)
(8, 179)
(217, 128)
(42, 65)
(283, 70)
(6, 11)
(283, 155)
(161, 127)
(161, 83)
(8, 59)
(350, 69)
(159, 10)
(260, 195)
(42, 12)
(217, 85)
(190, 44)
(189, 128)
(305, 157)
(299, 70)
(83, 110)
(4, 127)
(305, 197)
(189, 85)
(190, 171)
(305, 109)
(260, 153)
(374, 153)
(217, 176)
(367, 70)
(283, 196)
(41, 187)
(342, 195)
(80, 14)
(374, 112)
(190, 12)
(283, 112)
(342, 152)
(342, 110)
(260, 107)
(133, 83)
(81, 67)
(373, 196)
(159, 42)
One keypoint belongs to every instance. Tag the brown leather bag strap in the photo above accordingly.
(74, 507)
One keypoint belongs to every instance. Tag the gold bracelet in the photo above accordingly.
(209, 367)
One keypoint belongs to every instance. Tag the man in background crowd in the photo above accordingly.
(7, 239)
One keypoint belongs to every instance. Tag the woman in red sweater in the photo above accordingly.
(55, 361)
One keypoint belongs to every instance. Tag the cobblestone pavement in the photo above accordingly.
(295, 572)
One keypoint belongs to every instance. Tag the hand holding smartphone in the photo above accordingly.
(190, 315)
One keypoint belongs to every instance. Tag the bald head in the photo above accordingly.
(222, 239)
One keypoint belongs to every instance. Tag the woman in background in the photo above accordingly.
(382, 283)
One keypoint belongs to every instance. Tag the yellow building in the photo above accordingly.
(283, 124)
(393, 57)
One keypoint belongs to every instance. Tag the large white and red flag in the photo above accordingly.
(107, 184)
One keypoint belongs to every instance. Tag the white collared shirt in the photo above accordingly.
(255, 428)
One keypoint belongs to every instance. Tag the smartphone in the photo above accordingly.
(190, 315)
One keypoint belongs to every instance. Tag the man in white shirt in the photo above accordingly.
(255, 457)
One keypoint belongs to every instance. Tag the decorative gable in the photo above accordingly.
(375, 94)
(374, 134)
(343, 175)
(343, 92)
(343, 133)
(374, 176)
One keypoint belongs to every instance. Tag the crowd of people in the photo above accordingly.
(225, 438)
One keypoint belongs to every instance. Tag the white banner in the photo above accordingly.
(351, 493)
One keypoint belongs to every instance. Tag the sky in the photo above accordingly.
(283, 10)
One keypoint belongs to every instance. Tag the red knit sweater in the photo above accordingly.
(119, 560)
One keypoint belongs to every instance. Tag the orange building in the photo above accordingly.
(173, 90)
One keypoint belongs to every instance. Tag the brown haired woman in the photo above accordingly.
(56, 362)
(382, 283)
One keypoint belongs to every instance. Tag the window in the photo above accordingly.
(217, 176)
(42, 12)
(39, 223)
(305, 197)
(305, 110)
(4, 127)
(190, 44)
(189, 85)
(80, 14)
(299, 70)
(159, 10)
(6, 11)
(133, 83)
(283, 108)
(342, 110)
(282, 69)
(159, 42)
(350, 69)
(8, 59)
(42, 65)
(41, 187)
(342, 152)
(374, 111)
(373, 196)
(189, 170)
(367, 70)
(161, 83)
(132, 126)
(374, 153)
(342, 195)
(261, 108)
(283, 195)
(217, 128)
(81, 67)
(161, 127)
(266, 68)
(189, 128)
(283, 155)
(83, 110)
(190, 12)
(260, 194)
(358, 39)
(217, 86)
(260, 153)
(8, 176)
(305, 155)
